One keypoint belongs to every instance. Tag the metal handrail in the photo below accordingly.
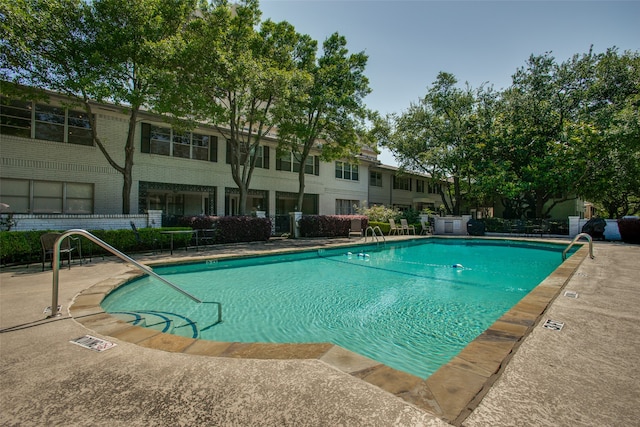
(575, 239)
(373, 234)
(108, 247)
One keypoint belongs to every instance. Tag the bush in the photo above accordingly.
(380, 213)
(329, 225)
(234, 229)
(629, 229)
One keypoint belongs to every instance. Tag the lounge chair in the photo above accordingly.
(426, 227)
(406, 227)
(356, 227)
(48, 240)
(393, 227)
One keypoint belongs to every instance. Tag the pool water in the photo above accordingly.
(412, 306)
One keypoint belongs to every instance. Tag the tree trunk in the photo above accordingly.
(301, 178)
(129, 151)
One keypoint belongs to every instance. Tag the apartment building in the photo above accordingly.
(50, 165)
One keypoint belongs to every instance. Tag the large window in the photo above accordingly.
(346, 207)
(290, 162)
(188, 145)
(43, 121)
(346, 170)
(31, 196)
(420, 185)
(375, 179)
(401, 183)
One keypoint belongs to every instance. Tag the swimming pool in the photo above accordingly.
(411, 305)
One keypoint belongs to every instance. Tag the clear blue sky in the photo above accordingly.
(410, 42)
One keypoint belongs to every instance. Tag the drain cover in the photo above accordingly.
(571, 294)
(554, 325)
(93, 343)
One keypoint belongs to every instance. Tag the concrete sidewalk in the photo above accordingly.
(585, 374)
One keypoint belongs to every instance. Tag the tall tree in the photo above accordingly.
(610, 146)
(438, 136)
(93, 51)
(236, 79)
(330, 110)
(538, 139)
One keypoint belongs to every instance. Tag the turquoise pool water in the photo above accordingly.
(412, 306)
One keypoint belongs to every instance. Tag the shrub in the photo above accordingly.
(235, 229)
(379, 213)
(329, 225)
(629, 229)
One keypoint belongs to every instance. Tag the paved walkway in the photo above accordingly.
(585, 374)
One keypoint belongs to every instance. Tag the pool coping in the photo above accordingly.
(451, 393)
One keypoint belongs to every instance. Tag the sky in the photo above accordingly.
(480, 42)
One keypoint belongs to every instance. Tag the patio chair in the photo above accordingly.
(393, 228)
(406, 227)
(154, 243)
(426, 227)
(48, 240)
(356, 227)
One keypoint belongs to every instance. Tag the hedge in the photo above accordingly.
(23, 247)
(231, 229)
(329, 225)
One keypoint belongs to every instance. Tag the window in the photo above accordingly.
(166, 142)
(43, 121)
(15, 118)
(30, 196)
(347, 171)
(401, 183)
(420, 185)
(433, 187)
(346, 207)
(375, 179)
(289, 162)
(262, 158)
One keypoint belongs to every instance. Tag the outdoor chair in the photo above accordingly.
(48, 240)
(154, 243)
(205, 236)
(393, 228)
(406, 227)
(356, 227)
(426, 227)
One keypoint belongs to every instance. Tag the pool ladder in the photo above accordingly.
(574, 241)
(114, 251)
(374, 235)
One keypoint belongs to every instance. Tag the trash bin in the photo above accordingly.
(475, 227)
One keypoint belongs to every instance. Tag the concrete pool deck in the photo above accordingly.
(584, 374)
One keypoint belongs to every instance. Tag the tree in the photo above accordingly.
(610, 148)
(329, 110)
(538, 140)
(102, 51)
(438, 136)
(236, 79)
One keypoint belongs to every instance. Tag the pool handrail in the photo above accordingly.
(573, 242)
(122, 256)
(374, 234)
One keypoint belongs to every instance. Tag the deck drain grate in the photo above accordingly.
(571, 294)
(554, 325)
(93, 343)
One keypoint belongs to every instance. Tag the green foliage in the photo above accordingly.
(23, 247)
(100, 50)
